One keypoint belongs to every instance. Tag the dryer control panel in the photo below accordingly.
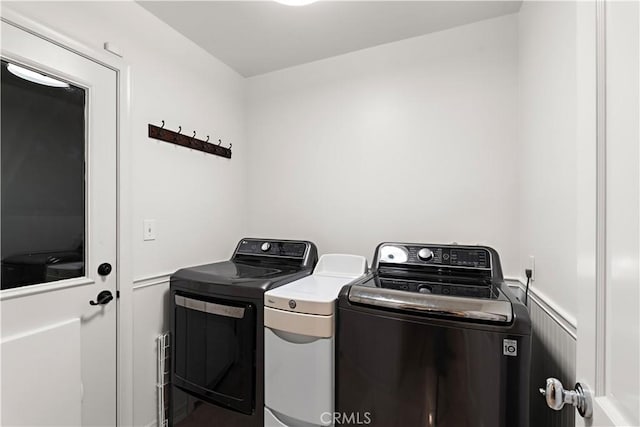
(273, 248)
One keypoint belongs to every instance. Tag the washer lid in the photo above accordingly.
(341, 265)
(316, 294)
(310, 295)
(480, 309)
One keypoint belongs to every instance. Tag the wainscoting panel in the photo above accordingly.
(151, 309)
(553, 355)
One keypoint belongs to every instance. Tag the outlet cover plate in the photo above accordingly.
(149, 232)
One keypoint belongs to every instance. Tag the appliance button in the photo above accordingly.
(292, 304)
(425, 254)
(265, 246)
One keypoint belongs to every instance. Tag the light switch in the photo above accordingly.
(149, 229)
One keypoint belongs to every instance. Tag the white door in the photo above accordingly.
(608, 354)
(59, 127)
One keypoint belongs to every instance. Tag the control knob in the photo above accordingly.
(425, 254)
(265, 246)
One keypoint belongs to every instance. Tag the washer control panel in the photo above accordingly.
(433, 255)
(436, 288)
(272, 248)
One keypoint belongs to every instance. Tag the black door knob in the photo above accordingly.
(103, 298)
(104, 269)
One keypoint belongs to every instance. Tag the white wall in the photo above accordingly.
(548, 150)
(198, 200)
(410, 141)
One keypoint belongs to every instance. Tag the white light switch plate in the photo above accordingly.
(149, 232)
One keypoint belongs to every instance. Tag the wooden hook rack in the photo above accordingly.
(192, 142)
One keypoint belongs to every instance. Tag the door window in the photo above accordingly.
(43, 178)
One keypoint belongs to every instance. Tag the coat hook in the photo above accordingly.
(162, 127)
(175, 138)
(207, 138)
(230, 145)
(219, 142)
(194, 135)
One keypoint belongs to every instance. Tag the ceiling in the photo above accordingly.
(256, 37)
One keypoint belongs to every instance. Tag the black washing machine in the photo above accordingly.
(217, 321)
(432, 337)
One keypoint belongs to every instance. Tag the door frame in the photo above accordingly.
(592, 333)
(124, 240)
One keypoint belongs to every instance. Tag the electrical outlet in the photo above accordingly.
(532, 267)
(149, 232)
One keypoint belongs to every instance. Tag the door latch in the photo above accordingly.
(103, 298)
(104, 269)
(557, 397)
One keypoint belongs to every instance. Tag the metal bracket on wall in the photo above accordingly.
(192, 142)
(163, 343)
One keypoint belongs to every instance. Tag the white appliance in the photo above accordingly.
(299, 320)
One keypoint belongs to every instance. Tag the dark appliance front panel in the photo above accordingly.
(417, 372)
(214, 355)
